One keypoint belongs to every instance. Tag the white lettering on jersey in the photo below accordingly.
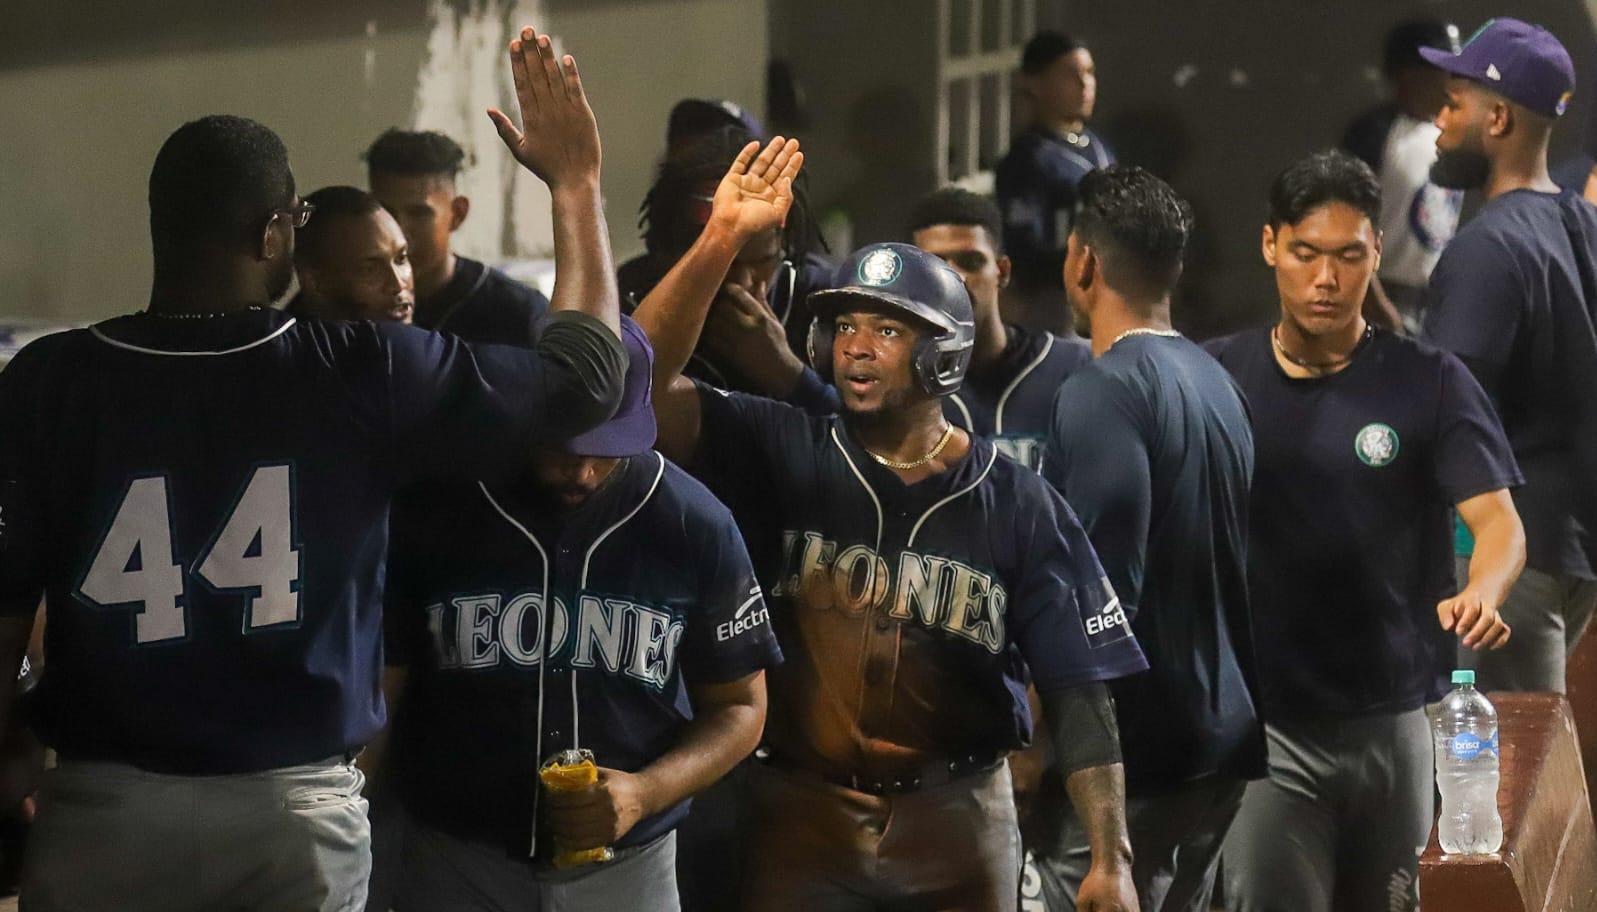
(744, 620)
(937, 593)
(1025, 450)
(482, 631)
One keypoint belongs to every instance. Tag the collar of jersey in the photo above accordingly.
(624, 491)
(193, 338)
(884, 479)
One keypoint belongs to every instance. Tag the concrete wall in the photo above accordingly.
(87, 97)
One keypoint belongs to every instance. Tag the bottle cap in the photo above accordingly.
(1464, 676)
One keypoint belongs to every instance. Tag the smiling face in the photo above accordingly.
(1323, 265)
(872, 360)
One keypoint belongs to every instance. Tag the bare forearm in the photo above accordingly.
(1098, 794)
(584, 270)
(1499, 557)
(712, 744)
(672, 315)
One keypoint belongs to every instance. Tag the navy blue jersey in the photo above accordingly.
(909, 614)
(1350, 549)
(480, 302)
(204, 504)
(1509, 297)
(1036, 185)
(1152, 447)
(1012, 402)
(649, 590)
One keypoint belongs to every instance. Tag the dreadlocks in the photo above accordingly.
(677, 207)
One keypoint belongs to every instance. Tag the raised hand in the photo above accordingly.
(558, 139)
(757, 192)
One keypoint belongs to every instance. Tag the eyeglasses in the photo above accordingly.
(299, 213)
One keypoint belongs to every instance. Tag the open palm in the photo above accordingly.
(757, 191)
(558, 139)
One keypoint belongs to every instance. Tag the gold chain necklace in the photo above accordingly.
(948, 434)
(1144, 331)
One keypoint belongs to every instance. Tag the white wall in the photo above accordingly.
(81, 128)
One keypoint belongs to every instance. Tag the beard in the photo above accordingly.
(889, 404)
(1464, 168)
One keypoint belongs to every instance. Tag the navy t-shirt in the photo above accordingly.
(909, 615)
(1152, 448)
(1012, 401)
(1507, 297)
(651, 590)
(1355, 477)
(204, 504)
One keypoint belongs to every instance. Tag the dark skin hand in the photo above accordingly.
(1099, 796)
(559, 142)
(742, 332)
(726, 726)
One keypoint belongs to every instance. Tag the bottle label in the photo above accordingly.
(1468, 746)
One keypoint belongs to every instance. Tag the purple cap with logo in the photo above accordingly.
(631, 430)
(1522, 62)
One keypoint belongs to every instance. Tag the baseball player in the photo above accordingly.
(599, 600)
(352, 261)
(200, 492)
(764, 290)
(1036, 179)
(1513, 298)
(413, 174)
(915, 579)
(1008, 393)
(1151, 444)
(1365, 442)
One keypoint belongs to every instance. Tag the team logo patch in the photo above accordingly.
(881, 267)
(1376, 445)
(1563, 103)
(1492, 74)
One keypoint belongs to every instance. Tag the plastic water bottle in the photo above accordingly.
(1465, 734)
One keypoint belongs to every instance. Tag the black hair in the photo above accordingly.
(333, 205)
(1044, 48)
(676, 208)
(415, 152)
(215, 182)
(1136, 222)
(1404, 41)
(1325, 177)
(957, 206)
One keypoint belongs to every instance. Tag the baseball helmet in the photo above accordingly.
(907, 279)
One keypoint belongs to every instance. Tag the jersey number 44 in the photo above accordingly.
(251, 554)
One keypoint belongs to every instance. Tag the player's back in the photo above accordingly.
(205, 505)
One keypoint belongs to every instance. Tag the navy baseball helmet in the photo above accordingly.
(907, 279)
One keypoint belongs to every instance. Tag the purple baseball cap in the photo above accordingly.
(631, 430)
(1522, 62)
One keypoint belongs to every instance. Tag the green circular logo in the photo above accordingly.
(1376, 445)
(880, 267)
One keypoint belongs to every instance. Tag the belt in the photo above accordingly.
(928, 775)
